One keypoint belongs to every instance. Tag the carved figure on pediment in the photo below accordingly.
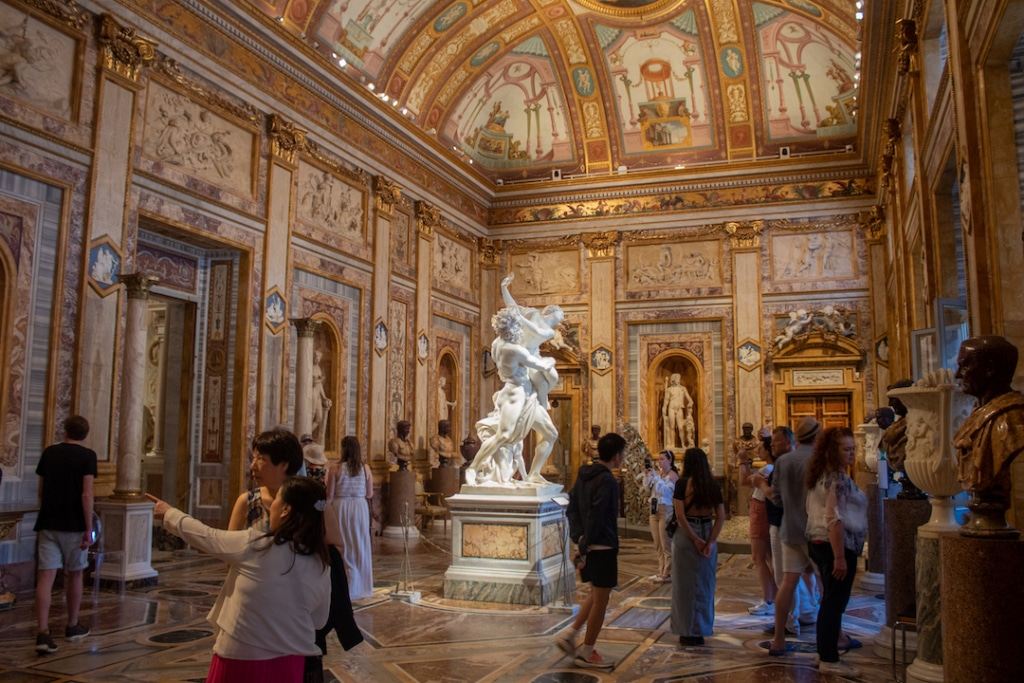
(798, 322)
(833, 321)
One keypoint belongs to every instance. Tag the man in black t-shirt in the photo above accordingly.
(64, 527)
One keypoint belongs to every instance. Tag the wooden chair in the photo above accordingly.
(430, 505)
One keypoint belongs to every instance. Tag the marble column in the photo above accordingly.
(127, 516)
(305, 329)
(982, 608)
(601, 248)
(901, 521)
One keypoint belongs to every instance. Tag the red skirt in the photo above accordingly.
(287, 669)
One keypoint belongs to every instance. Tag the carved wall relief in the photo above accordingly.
(181, 133)
(551, 272)
(813, 256)
(683, 265)
(452, 264)
(214, 436)
(398, 316)
(402, 245)
(328, 201)
(37, 63)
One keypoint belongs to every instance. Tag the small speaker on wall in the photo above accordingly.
(849, 149)
(556, 174)
(500, 181)
(783, 152)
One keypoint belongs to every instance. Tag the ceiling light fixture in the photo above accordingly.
(279, 19)
(334, 55)
(858, 15)
(405, 112)
(371, 86)
(342, 63)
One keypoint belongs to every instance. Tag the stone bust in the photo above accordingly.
(992, 436)
(746, 444)
(590, 447)
(400, 448)
(442, 447)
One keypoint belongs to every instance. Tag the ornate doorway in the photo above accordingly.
(831, 410)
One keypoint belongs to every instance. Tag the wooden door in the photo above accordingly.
(831, 410)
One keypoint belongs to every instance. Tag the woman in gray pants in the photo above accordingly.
(700, 512)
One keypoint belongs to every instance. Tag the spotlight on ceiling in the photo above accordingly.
(849, 149)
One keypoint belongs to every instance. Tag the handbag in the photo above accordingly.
(671, 525)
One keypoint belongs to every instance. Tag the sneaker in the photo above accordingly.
(839, 669)
(593, 661)
(567, 642)
(76, 632)
(45, 645)
(762, 609)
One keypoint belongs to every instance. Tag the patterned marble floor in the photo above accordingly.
(160, 633)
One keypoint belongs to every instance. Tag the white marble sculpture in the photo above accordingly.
(444, 406)
(520, 406)
(321, 403)
(677, 414)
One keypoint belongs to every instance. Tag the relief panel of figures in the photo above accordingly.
(38, 64)
(403, 244)
(680, 265)
(542, 273)
(333, 209)
(453, 267)
(806, 259)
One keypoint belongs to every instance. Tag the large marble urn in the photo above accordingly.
(934, 413)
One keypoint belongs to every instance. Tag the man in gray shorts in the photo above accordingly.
(64, 527)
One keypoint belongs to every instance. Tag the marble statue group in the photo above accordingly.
(520, 406)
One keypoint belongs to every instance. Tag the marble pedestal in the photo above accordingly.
(982, 608)
(127, 544)
(873, 577)
(509, 547)
(401, 503)
(900, 523)
(444, 479)
(927, 665)
(743, 492)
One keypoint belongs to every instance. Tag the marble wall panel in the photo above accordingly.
(332, 208)
(216, 375)
(546, 273)
(453, 267)
(674, 266)
(805, 259)
(495, 541)
(39, 60)
(176, 270)
(194, 146)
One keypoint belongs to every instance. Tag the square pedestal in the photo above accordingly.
(509, 548)
(127, 544)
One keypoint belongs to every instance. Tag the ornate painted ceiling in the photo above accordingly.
(519, 88)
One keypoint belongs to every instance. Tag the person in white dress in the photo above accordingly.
(350, 489)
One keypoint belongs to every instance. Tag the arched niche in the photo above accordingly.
(327, 341)
(447, 393)
(658, 378)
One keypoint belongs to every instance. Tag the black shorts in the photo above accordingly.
(601, 569)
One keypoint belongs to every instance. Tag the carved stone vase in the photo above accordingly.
(933, 416)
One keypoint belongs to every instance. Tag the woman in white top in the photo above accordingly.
(836, 524)
(760, 537)
(660, 481)
(350, 489)
(277, 590)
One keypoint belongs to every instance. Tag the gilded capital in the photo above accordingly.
(305, 327)
(387, 193)
(137, 285)
(122, 51)
(286, 139)
(906, 53)
(488, 252)
(428, 217)
(744, 235)
(874, 223)
(601, 244)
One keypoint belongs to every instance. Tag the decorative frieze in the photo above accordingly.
(121, 50)
(65, 11)
(169, 68)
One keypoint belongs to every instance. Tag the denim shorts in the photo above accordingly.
(62, 549)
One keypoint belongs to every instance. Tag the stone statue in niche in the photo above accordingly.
(894, 443)
(321, 402)
(993, 436)
(444, 406)
(590, 447)
(520, 405)
(746, 444)
(442, 447)
(400, 448)
(677, 414)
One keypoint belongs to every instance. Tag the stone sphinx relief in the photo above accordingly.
(813, 256)
(36, 63)
(327, 201)
(687, 264)
(452, 263)
(552, 272)
(181, 133)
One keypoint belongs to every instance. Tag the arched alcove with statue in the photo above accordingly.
(676, 411)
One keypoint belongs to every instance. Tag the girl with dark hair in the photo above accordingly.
(276, 455)
(700, 511)
(350, 489)
(836, 524)
(277, 591)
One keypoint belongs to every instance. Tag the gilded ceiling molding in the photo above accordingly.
(66, 11)
(906, 53)
(561, 242)
(286, 139)
(676, 234)
(836, 222)
(168, 67)
(601, 244)
(428, 219)
(317, 153)
(744, 235)
(387, 193)
(874, 223)
(122, 51)
(489, 252)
